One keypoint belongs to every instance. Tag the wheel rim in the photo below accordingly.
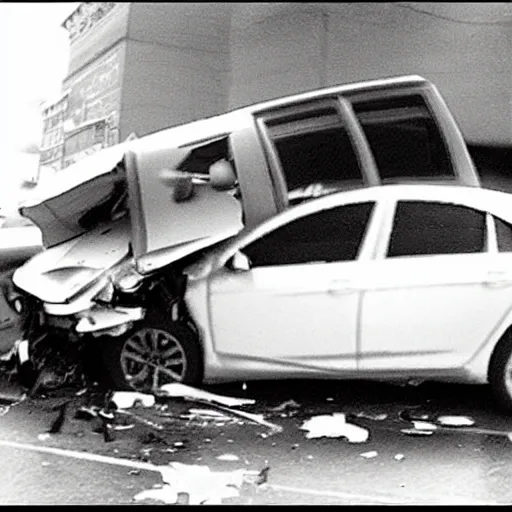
(151, 358)
(508, 376)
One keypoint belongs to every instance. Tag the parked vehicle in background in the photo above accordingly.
(20, 239)
(132, 239)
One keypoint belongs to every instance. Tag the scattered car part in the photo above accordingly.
(416, 432)
(178, 390)
(129, 399)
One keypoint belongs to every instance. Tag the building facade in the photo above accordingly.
(140, 67)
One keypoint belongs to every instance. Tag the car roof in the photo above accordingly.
(494, 201)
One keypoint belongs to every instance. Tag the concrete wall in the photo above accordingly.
(281, 48)
(177, 65)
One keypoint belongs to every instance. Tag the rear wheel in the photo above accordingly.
(500, 373)
(151, 355)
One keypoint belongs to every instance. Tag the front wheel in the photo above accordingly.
(151, 355)
(500, 374)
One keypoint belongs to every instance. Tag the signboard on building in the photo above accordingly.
(86, 15)
(93, 112)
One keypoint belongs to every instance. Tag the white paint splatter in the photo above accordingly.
(228, 457)
(369, 455)
(202, 485)
(334, 425)
(455, 421)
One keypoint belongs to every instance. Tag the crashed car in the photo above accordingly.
(20, 239)
(148, 243)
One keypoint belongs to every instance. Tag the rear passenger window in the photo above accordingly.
(425, 228)
(504, 235)
(404, 138)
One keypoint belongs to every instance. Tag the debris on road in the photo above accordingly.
(202, 485)
(178, 390)
(369, 455)
(138, 418)
(134, 472)
(455, 421)
(229, 457)
(424, 425)
(256, 418)
(86, 413)
(284, 406)
(44, 437)
(399, 456)
(257, 477)
(124, 427)
(416, 432)
(334, 425)
(130, 399)
(413, 414)
(370, 416)
(4, 409)
(59, 421)
(208, 415)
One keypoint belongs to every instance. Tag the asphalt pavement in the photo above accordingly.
(80, 464)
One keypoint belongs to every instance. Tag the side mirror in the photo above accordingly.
(222, 175)
(182, 185)
(239, 262)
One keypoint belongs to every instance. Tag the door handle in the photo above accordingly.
(340, 287)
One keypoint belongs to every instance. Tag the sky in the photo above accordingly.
(34, 56)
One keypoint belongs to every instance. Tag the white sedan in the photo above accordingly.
(390, 282)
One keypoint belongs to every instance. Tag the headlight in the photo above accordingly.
(126, 279)
(106, 294)
(129, 283)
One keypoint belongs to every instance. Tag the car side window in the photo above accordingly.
(326, 236)
(404, 138)
(314, 150)
(504, 235)
(426, 228)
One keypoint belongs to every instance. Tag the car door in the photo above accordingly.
(17, 244)
(433, 298)
(297, 304)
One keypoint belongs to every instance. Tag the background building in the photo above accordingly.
(140, 67)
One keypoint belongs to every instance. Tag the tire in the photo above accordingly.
(146, 341)
(500, 374)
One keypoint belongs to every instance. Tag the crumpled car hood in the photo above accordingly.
(59, 273)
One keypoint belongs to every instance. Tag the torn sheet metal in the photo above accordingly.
(102, 318)
(178, 390)
(255, 418)
(202, 485)
(58, 273)
(334, 425)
